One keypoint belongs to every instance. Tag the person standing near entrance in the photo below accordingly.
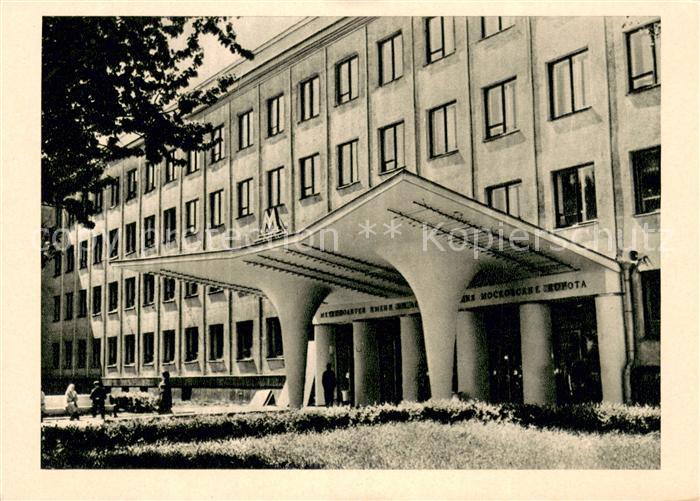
(98, 397)
(72, 402)
(165, 400)
(328, 381)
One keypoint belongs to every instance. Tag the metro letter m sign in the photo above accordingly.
(271, 225)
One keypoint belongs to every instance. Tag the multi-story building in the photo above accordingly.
(489, 194)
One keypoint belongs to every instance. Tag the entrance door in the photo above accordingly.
(389, 334)
(502, 324)
(575, 344)
(344, 362)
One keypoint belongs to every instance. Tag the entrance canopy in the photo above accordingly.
(346, 250)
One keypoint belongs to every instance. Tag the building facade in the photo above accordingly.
(420, 147)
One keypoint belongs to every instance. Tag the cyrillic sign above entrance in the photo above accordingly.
(272, 226)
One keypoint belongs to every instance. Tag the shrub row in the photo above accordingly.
(590, 418)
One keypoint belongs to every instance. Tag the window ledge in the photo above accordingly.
(244, 216)
(147, 364)
(396, 169)
(338, 104)
(348, 185)
(317, 196)
(245, 148)
(217, 226)
(111, 366)
(129, 253)
(191, 296)
(640, 90)
(192, 362)
(656, 212)
(132, 364)
(113, 312)
(443, 155)
(220, 291)
(94, 315)
(273, 359)
(583, 224)
(151, 303)
(191, 233)
(167, 182)
(488, 37)
(169, 362)
(169, 300)
(565, 115)
(499, 136)
(217, 360)
(309, 119)
(385, 84)
(244, 360)
(129, 308)
(428, 63)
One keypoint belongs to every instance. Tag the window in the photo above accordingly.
(130, 238)
(191, 216)
(70, 258)
(82, 303)
(390, 59)
(392, 152)
(567, 83)
(67, 354)
(274, 187)
(191, 289)
(646, 165)
(114, 192)
(113, 243)
(192, 162)
(129, 292)
(273, 332)
(149, 232)
(57, 263)
(643, 56)
(490, 25)
(244, 198)
(97, 249)
(69, 306)
(215, 290)
(98, 201)
(55, 355)
(113, 296)
(217, 139)
(574, 194)
(131, 184)
(129, 349)
(310, 98)
(275, 115)
(148, 347)
(499, 108)
(83, 254)
(651, 292)
(82, 353)
(112, 351)
(244, 338)
(309, 175)
(57, 214)
(96, 353)
(347, 163)
(150, 183)
(215, 215)
(245, 132)
(216, 342)
(191, 344)
(149, 289)
(346, 80)
(505, 197)
(71, 219)
(169, 225)
(97, 300)
(168, 289)
(443, 129)
(440, 38)
(56, 308)
(170, 167)
(168, 346)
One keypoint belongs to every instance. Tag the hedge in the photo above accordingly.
(57, 441)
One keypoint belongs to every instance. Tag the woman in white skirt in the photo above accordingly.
(72, 402)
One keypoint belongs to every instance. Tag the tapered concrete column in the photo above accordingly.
(412, 352)
(366, 363)
(296, 301)
(536, 346)
(611, 346)
(438, 276)
(472, 355)
(324, 341)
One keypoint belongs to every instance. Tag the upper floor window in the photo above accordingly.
(56, 308)
(309, 172)
(170, 167)
(70, 258)
(55, 355)
(499, 104)
(443, 129)
(150, 183)
(129, 292)
(130, 238)
(114, 243)
(149, 231)
(57, 264)
(440, 38)
(347, 163)
(651, 292)
(244, 339)
(216, 217)
(273, 332)
(567, 84)
(347, 80)
(82, 303)
(83, 250)
(643, 56)
(505, 197)
(310, 98)
(244, 208)
(98, 200)
(114, 192)
(491, 25)
(574, 195)
(191, 289)
(390, 59)
(646, 165)
(131, 184)
(169, 225)
(149, 289)
(97, 246)
(68, 354)
(217, 139)
(113, 296)
(191, 216)
(69, 306)
(392, 147)
(168, 289)
(245, 133)
(192, 162)
(274, 187)
(97, 300)
(275, 115)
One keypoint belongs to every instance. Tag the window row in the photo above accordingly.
(81, 359)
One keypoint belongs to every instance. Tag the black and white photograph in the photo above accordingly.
(353, 242)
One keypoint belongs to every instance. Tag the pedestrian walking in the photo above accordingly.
(72, 402)
(98, 395)
(328, 381)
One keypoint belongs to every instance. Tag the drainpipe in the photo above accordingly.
(628, 266)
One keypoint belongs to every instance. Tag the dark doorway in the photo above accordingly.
(575, 346)
(502, 325)
(344, 363)
(389, 347)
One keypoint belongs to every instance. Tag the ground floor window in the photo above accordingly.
(191, 344)
(129, 349)
(244, 338)
(216, 342)
(502, 324)
(148, 347)
(55, 355)
(651, 291)
(168, 346)
(96, 352)
(273, 332)
(112, 350)
(82, 353)
(68, 354)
